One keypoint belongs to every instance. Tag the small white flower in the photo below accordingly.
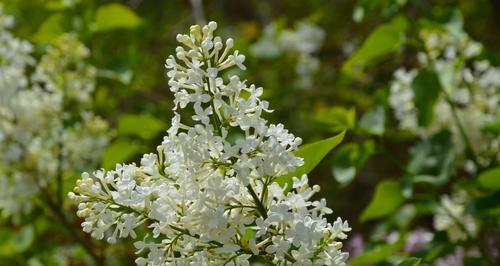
(279, 247)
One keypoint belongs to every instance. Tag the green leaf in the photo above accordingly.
(447, 77)
(15, 242)
(336, 118)
(493, 128)
(144, 126)
(453, 20)
(247, 236)
(448, 19)
(50, 29)
(490, 178)
(122, 75)
(388, 197)
(432, 160)
(410, 262)
(120, 151)
(487, 205)
(24, 239)
(116, 16)
(426, 88)
(57, 5)
(312, 154)
(349, 159)
(376, 255)
(384, 39)
(373, 121)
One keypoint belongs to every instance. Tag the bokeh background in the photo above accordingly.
(323, 71)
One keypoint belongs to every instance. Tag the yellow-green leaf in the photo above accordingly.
(490, 178)
(116, 16)
(312, 154)
(50, 29)
(385, 39)
(144, 126)
(336, 118)
(388, 197)
(120, 151)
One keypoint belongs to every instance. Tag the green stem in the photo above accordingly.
(215, 119)
(59, 178)
(258, 203)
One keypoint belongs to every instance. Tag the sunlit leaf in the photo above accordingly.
(61, 4)
(490, 178)
(312, 154)
(336, 118)
(246, 237)
(119, 151)
(144, 126)
(387, 198)
(50, 29)
(116, 16)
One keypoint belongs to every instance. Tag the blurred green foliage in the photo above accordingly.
(382, 179)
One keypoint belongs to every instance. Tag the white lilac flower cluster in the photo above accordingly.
(46, 130)
(451, 216)
(471, 89)
(209, 196)
(303, 43)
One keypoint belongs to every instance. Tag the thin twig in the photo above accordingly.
(259, 205)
